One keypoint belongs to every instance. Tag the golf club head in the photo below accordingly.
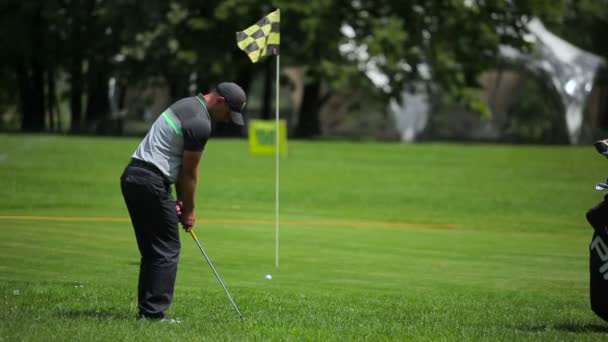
(602, 147)
(601, 186)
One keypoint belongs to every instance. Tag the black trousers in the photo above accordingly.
(151, 206)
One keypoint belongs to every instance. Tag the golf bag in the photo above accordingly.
(598, 249)
(598, 259)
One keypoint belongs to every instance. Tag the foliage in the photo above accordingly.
(190, 43)
(583, 23)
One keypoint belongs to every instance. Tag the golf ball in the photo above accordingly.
(268, 276)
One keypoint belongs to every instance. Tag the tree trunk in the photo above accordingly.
(178, 86)
(51, 104)
(309, 124)
(31, 96)
(267, 97)
(76, 77)
(24, 89)
(76, 83)
(31, 80)
(244, 71)
(79, 42)
(57, 109)
(173, 89)
(98, 104)
(38, 98)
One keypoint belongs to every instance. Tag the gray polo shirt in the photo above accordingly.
(184, 126)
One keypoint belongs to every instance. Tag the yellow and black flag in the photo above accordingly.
(262, 38)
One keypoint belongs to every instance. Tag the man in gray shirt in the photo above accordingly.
(169, 154)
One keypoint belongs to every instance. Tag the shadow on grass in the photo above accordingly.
(97, 314)
(568, 327)
(595, 328)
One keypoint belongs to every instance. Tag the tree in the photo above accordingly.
(50, 36)
(22, 28)
(453, 40)
(311, 37)
(584, 23)
(443, 43)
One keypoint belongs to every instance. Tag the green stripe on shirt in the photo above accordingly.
(201, 101)
(177, 129)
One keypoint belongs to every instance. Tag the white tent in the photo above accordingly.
(570, 69)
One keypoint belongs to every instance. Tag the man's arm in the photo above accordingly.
(186, 187)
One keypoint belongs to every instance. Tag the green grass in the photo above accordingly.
(515, 266)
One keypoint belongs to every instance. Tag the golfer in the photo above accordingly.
(170, 154)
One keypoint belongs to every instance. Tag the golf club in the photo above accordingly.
(215, 272)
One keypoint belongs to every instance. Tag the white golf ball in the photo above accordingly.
(268, 276)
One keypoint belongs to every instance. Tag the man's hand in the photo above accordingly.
(187, 219)
(186, 183)
(178, 208)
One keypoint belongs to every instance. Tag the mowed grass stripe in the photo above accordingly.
(463, 257)
(352, 224)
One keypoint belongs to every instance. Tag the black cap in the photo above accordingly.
(235, 98)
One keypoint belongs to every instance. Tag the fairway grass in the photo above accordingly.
(361, 257)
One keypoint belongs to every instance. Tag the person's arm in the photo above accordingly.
(186, 187)
(196, 129)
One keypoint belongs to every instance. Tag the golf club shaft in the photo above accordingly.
(215, 272)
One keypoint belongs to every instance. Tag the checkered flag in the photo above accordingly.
(262, 38)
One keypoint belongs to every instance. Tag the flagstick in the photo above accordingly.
(276, 140)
